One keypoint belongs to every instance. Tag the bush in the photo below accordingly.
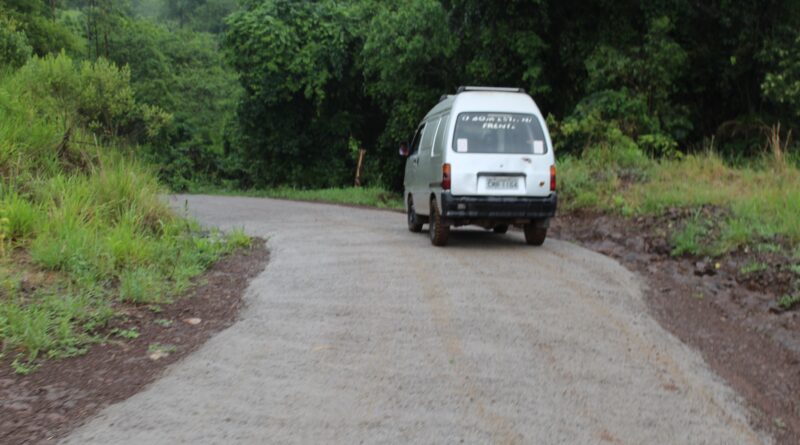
(14, 47)
(94, 95)
(782, 84)
(92, 220)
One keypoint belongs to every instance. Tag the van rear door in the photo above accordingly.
(499, 154)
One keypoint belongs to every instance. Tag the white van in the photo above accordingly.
(482, 156)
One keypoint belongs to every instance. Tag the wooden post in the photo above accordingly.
(360, 166)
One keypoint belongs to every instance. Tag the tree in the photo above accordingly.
(407, 58)
(782, 83)
(303, 100)
(14, 47)
(181, 71)
(35, 19)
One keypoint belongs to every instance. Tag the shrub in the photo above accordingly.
(14, 47)
(95, 95)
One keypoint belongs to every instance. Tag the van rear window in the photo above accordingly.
(510, 133)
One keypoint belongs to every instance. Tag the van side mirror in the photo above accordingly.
(404, 149)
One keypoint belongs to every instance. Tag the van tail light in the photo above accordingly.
(552, 178)
(445, 176)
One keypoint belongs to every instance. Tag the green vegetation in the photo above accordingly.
(362, 196)
(789, 301)
(84, 225)
(125, 333)
(754, 203)
(638, 78)
(754, 267)
(692, 238)
(157, 350)
(654, 107)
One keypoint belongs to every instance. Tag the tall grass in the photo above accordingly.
(84, 226)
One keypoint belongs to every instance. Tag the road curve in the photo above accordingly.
(359, 331)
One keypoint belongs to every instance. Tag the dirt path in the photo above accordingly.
(359, 331)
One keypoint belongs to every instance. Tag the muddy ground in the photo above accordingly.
(716, 305)
(45, 405)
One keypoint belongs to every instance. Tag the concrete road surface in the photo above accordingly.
(362, 332)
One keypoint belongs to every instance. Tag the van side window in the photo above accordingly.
(427, 136)
(438, 144)
(417, 137)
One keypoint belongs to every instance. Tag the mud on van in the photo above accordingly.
(482, 156)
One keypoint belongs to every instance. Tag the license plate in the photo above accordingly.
(501, 183)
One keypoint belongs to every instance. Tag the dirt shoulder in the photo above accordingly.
(45, 405)
(731, 317)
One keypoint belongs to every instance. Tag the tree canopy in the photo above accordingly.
(663, 75)
(285, 92)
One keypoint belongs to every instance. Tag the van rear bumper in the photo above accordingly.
(498, 207)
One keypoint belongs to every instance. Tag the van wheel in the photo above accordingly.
(414, 223)
(439, 232)
(535, 235)
(500, 228)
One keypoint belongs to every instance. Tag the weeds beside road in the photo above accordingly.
(709, 208)
(82, 225)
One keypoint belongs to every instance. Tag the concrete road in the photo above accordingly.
(362, 332)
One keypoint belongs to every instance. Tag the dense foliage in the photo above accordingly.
(662, 76)
(168, 51)
(82, 224)
(285, 92)
(86, 88)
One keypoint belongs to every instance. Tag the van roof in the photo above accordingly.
(511, 100)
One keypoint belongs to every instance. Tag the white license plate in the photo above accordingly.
(501, 183)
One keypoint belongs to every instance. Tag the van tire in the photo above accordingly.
(534, 235)
(500, 228)
(414, 223)
(438, 231)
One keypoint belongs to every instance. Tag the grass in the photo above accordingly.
(363, 196)
(125, 333)
(753, 206)
(754, 267)
(691, 239)
(155, 347)
(789, 301)
(758, 204)
(83, 228)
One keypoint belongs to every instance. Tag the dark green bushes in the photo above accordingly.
(664, 77)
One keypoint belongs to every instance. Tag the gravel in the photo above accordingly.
(360, 331)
